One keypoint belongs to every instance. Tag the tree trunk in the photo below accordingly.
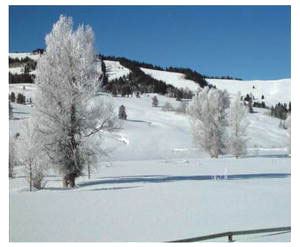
(30, 177)
(69, 179)
(89, 171)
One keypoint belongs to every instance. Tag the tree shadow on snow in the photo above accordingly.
(138, 121)
(165, 178)
(268, 156)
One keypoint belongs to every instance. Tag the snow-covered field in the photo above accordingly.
(156, 186)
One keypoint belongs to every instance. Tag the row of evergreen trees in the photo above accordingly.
(20, 99)
(20, 78)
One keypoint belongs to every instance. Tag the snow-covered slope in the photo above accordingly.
(274, 91)
(156, 185)
(24, 55)
(175, 79)
(115, 70)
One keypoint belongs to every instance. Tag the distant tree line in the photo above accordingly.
(26, 62)
(20, 78)
(223, 77)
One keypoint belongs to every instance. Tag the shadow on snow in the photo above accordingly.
(165, 178)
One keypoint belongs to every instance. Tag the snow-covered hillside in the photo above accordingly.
(21, 55)
(156, 185)
(115, 70)
(274, 91)
(175, 79)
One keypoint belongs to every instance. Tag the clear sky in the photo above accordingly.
(249, 42)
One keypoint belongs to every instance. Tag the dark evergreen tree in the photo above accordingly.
(122, 112)
(21, 99)
(12, 97)
(154, 101)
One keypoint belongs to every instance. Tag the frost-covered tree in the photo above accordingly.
(238, 127)
(31, 154)
(288, 125)
(208, 120)
(68, 110)
(10, 109)
(12, 162)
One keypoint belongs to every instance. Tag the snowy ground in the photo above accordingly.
(157, 186)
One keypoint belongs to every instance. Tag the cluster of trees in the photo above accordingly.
(20, 99)
(210, 119)
(66, 125)
(281, 110)
(20, 78)
(38, 51)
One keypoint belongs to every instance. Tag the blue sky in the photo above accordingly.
(249, 42)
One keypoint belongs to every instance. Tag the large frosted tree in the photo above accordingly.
(238, 125)
(209, 120)
(68, 110)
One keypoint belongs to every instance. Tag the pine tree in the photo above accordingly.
(68, 112)
(122, 112)
(154, 101)
(12, 97)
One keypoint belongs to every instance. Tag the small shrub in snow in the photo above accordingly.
(182, 108)
(167, 107)
(154, 101)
